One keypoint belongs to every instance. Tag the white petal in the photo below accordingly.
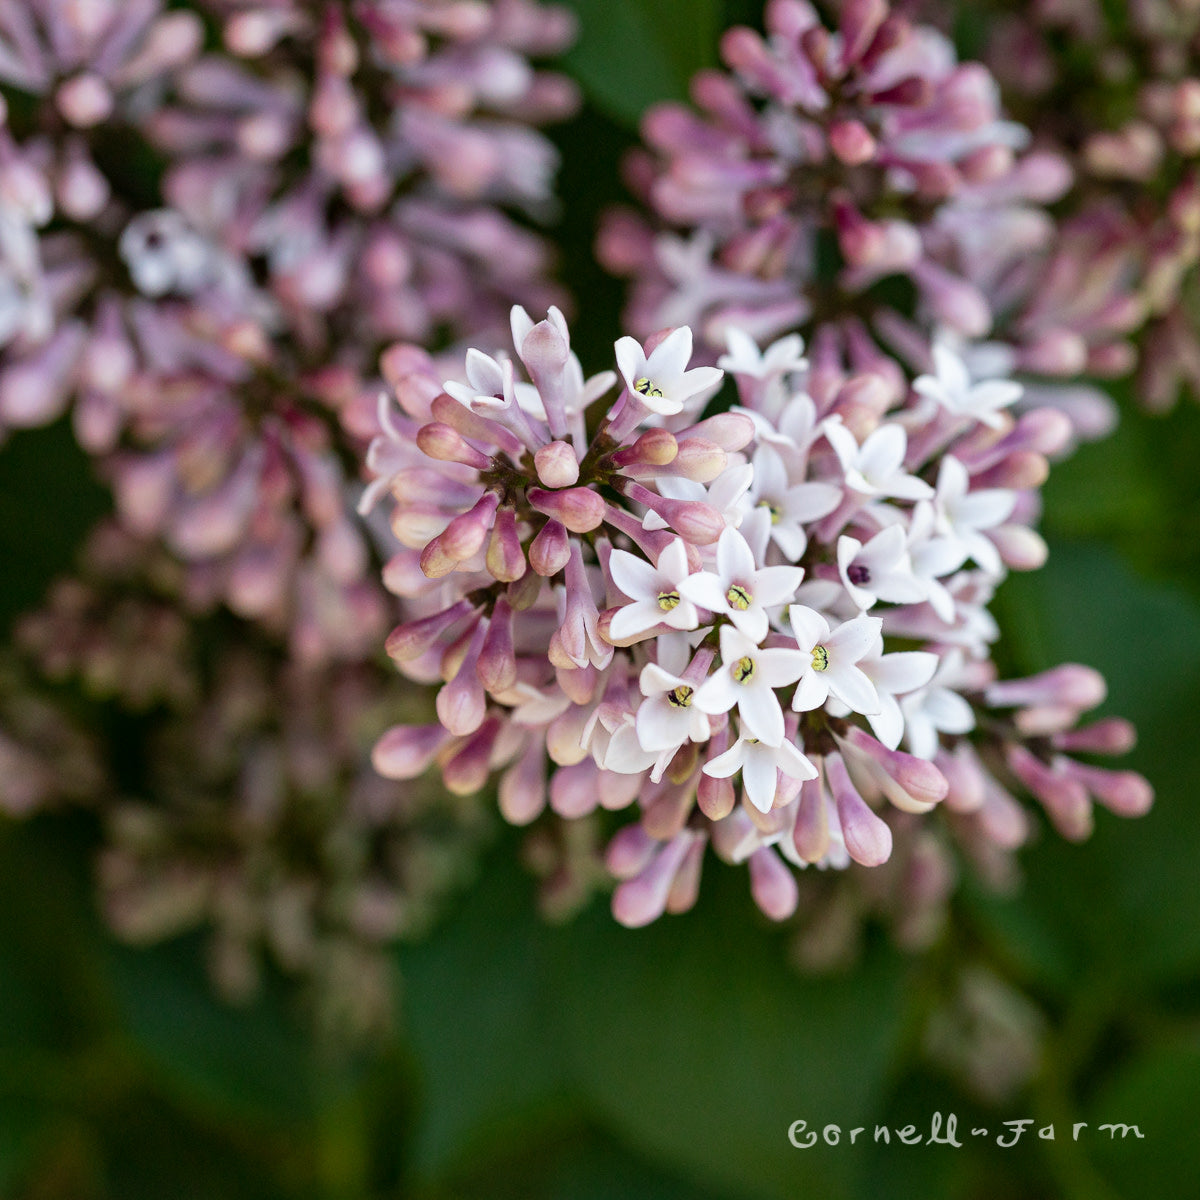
(761, 714)
(729, 763)
(808, 625)
(760, 779)
(631, 359)
(852, 687)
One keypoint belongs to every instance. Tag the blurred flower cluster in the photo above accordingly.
(725, 628)
(213, 218)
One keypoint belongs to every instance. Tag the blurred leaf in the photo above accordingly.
(696, 1042)
(479, 1021)
(255, 1062)
(1117, 899)
(631, 54)
(49, 499)
(1160, 1093)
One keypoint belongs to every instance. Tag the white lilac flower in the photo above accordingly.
(654, 591)
(661, 379)
(893, 675)
(933, 557)
(963, 514)
(791, 506)
(488, 380)
(747, 679)
(668, 716)
(739, 589)
(951, 387)
(880, 569)
(780, 358)
(937, 708)
(760, 765)
(830, 660)
(876, 468)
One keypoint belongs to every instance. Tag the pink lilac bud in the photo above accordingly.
(466, 770)
(505, 559)
(810, 834)
(643, 899)
(557, 466)
(868, 839)
(1070, 685)
(406, 751)
(911, 784)
(772, 885)
(497, 666)
(1125, 793)
(550, 550)
(579, 509)
(629, 852)
(440, 442)
(1110, 735)
(1065, 799)
(522, 792)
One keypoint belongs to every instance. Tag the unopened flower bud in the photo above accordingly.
(868, 838)
(405, 751)
(505, 560)
(772, 885)
(579, 509)
(438, 441)
(557, 466)
(550, 551)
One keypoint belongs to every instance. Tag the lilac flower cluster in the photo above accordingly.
(727, 626)
(1117, 91)
(253, 812)
(205, 251)
(863, 182)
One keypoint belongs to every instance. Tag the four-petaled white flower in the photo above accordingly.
(791, 506)
(780, 358)
(950, 387)
(739, 589)
(893, 675)
(661, 379)
(880, 569)
(963, 514)
(747, 678)
(830, 659)
(667, 716)
(937, 708)
(876, 468)
(759, 765)
(654, 591)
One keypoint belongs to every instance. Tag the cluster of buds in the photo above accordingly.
(727, 626)
(333, 178)
(825, 166)
(253, 813)
(1117, 91)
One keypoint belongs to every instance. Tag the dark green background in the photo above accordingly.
(589, 1062)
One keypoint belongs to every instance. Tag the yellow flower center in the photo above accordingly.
(644, 387)
(668, 601)
(743, 669)
(680, 697)
(820, 658)
(773, 509)
(738, 597)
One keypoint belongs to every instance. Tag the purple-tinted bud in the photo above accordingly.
(655, 448)
(557, 466)
(811, 833)
(505, 559)
(467, 770)
(851, 142)
(1125, 793)
(1023, 470)
(915, 91)
(965, 779)
(1021, 548)
(1002, 819)
(470, 424)
(461, 703)
(465, 536)
(772, 885)
(573, 790)
(406, 751)
(629, 852)
(497, 665)
(1055, 352)
(643, 899)
(685, 888)
(859, 23)
(412, 639)
(1070, 684)
(84, 101)
(730, 431)
(699, 460)
(953, 301)
(579, 509)
(522, 792)
(868, 838)
(715, 797)
(550, 551)
(1065, 799)
(1109, 735)
(911, 784)
(438, 441)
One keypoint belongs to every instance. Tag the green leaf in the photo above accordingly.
(631, 54)
(1159, 1093)
(254, 1062)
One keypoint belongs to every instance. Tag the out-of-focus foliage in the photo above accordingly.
(585, 1062)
